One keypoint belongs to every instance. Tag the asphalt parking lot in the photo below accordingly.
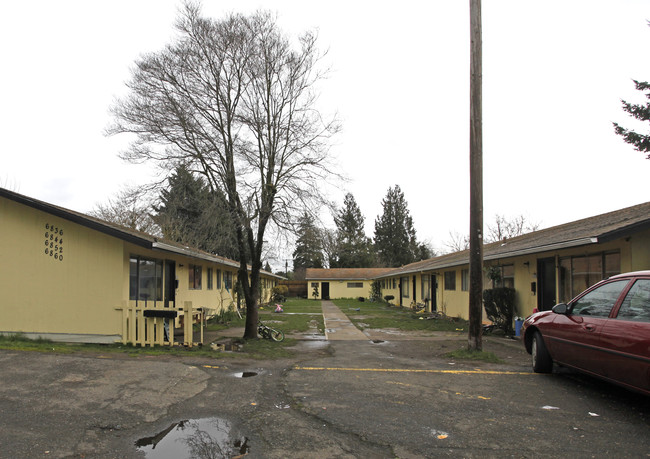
(341, 399)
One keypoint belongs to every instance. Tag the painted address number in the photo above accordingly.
(54, 242)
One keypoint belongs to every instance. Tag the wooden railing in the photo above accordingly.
(145, 325)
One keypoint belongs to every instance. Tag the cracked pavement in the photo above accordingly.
(340, 399)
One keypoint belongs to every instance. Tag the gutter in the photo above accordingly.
(203, 256)
(496, 256)
(187, 252)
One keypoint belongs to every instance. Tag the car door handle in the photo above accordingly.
(589, 328)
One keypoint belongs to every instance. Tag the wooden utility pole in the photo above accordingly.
(476, 182)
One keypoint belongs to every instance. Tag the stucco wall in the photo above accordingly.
(639, 251)
(73, 288)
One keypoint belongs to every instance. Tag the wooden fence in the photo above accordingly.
(144, 326)
(296, 288)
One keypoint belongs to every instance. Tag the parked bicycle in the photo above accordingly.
(269, 333)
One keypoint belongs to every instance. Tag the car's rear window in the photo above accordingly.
(636, 305)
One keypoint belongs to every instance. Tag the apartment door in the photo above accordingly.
(546, 285)
(325, 287)
(434, 292)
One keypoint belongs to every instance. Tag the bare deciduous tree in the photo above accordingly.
(235, 101)
(330, 246)
(131, 207)
(457, 242)
(506, 228)
(502, 228)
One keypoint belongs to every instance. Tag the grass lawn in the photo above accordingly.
(365, 314)
(20, 343)
(299, 316)
(296, 305)
(255, 349)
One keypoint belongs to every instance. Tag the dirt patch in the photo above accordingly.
(407, 335)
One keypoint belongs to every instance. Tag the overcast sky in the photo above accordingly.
(554, 72)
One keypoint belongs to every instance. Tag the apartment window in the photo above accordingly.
(210, 278)
(580, 272)
(355, 284)
(404, 281)
(464, 280)
(394, 283)
(145, 279)
(227, 280)
(195, 277)
(506, 274)
(218, 279)
(450, 280)
(426, 287)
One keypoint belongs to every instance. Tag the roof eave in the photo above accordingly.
(543, 248)
(76, 218)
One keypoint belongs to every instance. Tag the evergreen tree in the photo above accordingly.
(309, 250)
(192, 214)
(353, 248)
(641, 142)
(395, 241)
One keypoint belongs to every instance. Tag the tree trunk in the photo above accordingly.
(476, 182)
(252, 315)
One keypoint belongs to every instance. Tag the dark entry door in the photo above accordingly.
(546, 287)
(434, 292)
(170, 283)
(326, 290)
(414, 291)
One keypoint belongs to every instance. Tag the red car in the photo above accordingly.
(604, 331)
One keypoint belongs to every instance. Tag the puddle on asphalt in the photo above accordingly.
(245, 374)
(194, 438)
(319, 343)
(314, 337)
(378, 341)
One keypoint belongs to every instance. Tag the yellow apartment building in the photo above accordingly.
(544, 267)
(341, 282)
(67, 276)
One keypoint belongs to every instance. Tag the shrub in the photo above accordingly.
(375, 291)
(279, 293)
(500, 307)
(228, 315)
(389, 298)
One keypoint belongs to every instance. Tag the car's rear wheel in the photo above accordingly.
(542, 362)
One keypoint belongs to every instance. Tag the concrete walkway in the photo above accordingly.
(337, 325)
